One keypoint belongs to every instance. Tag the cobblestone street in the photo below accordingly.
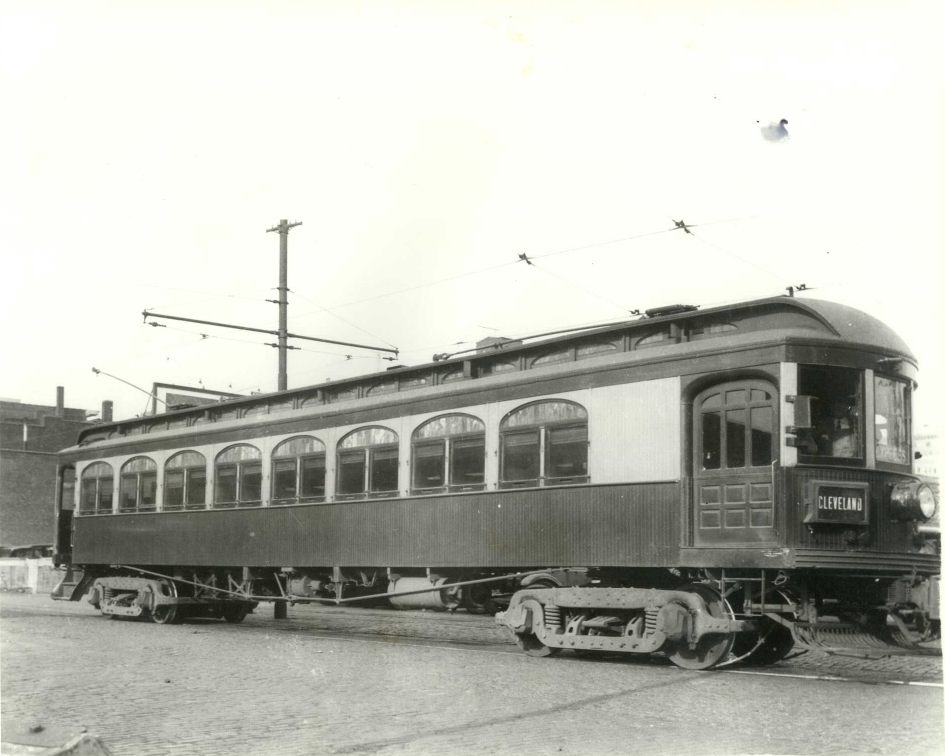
(350, 681)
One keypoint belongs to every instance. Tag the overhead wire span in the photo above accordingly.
(408, 289)
(343, 320)
(216, 295)
(577, 285)
(205, 336)
(496, 267)
(763, 269)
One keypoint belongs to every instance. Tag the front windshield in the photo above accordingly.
(836, 411)
(892, 421)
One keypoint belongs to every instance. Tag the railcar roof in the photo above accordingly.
(857, 327)
(781, 317)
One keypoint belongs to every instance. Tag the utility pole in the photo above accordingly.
(283, 229)
(282, 334)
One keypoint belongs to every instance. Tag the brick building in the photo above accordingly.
(30, 436)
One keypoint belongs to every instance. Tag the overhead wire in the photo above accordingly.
(217, 295)
(343, 320)
(738, 257)
(206, 336)
(582, 288)
(408, 289)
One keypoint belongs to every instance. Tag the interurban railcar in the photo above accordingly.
(713, 484)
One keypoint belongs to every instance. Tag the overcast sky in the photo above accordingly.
(147, 147)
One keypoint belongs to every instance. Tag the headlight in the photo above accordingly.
(927, 503)
(912, 501)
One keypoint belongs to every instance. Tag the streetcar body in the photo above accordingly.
(766, 441)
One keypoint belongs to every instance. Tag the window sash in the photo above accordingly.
(566, 454)
(383, 474)
(467, 464)
(351, 466)
(250, 491)
(893, 436)
(147, 492)
(225, 494)
(429, 466)
(89, 496)
(196, 489)
(173, 490)
(128, 493)
(521, 458)
(284, 479)
(106, 494)
(312, 471)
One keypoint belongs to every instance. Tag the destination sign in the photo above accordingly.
(847, 504)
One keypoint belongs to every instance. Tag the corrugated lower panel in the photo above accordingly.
(590, 525)
(923, 563)
(886, 535)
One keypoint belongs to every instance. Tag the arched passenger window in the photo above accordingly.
(137, 491)
(653, 339)
(452, 375)
(298, 471)
(98, 489)
(185, 481)
(585, 351)
(552, 358)
(500, 366)
(382, 388)
(449, 454)
(545, 444)
(367, 464)
(239, 477)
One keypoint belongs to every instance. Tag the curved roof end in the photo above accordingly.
(858, 327)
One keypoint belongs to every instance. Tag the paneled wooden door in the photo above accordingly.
(735, 445)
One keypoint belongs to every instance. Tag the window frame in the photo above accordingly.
(859, 459)
(239, 467)
(99, 490)
(369, 454)
(299, 467)
(542, 430)
(187, 471)
(138, 477)
(448, 443)
(910, 441)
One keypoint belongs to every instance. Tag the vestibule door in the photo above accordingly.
(735, 443)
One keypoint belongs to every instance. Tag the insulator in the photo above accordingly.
(553, 616)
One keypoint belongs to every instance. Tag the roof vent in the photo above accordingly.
(676, 309)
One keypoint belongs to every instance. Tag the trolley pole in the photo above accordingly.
(283, 229)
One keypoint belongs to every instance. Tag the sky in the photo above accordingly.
(147, 147)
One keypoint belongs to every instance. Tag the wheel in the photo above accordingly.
(165, 614)
(477, 599)
(534, 647)
(236, 612)
(528, 642)
(711, 649)
(775, 645)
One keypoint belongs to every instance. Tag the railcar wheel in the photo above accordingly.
(477, 599)
(236, 613)
(777, 644)
(534, 647)
(165, 614)
(530, 643)
(711, 649)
